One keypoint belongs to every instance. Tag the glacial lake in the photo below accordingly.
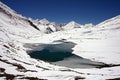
(60, 53)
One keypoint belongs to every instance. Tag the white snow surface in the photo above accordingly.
(99, 43)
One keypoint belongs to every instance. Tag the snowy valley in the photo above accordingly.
(96, 43)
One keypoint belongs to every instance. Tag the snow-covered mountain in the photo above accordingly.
(46, 26)
(44, 21)
(71, 25)
(15, 23)
(99, 44)
(11, 17)
(114, 22)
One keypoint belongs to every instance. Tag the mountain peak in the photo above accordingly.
(72, 22)
(71, 25)
(44, 21)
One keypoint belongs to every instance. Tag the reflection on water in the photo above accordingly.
(60, 54)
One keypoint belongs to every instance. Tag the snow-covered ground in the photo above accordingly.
(99, 43)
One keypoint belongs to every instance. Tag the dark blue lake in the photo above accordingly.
(60, 54)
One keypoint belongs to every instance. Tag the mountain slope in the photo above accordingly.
(115, 21)
(16, 24)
